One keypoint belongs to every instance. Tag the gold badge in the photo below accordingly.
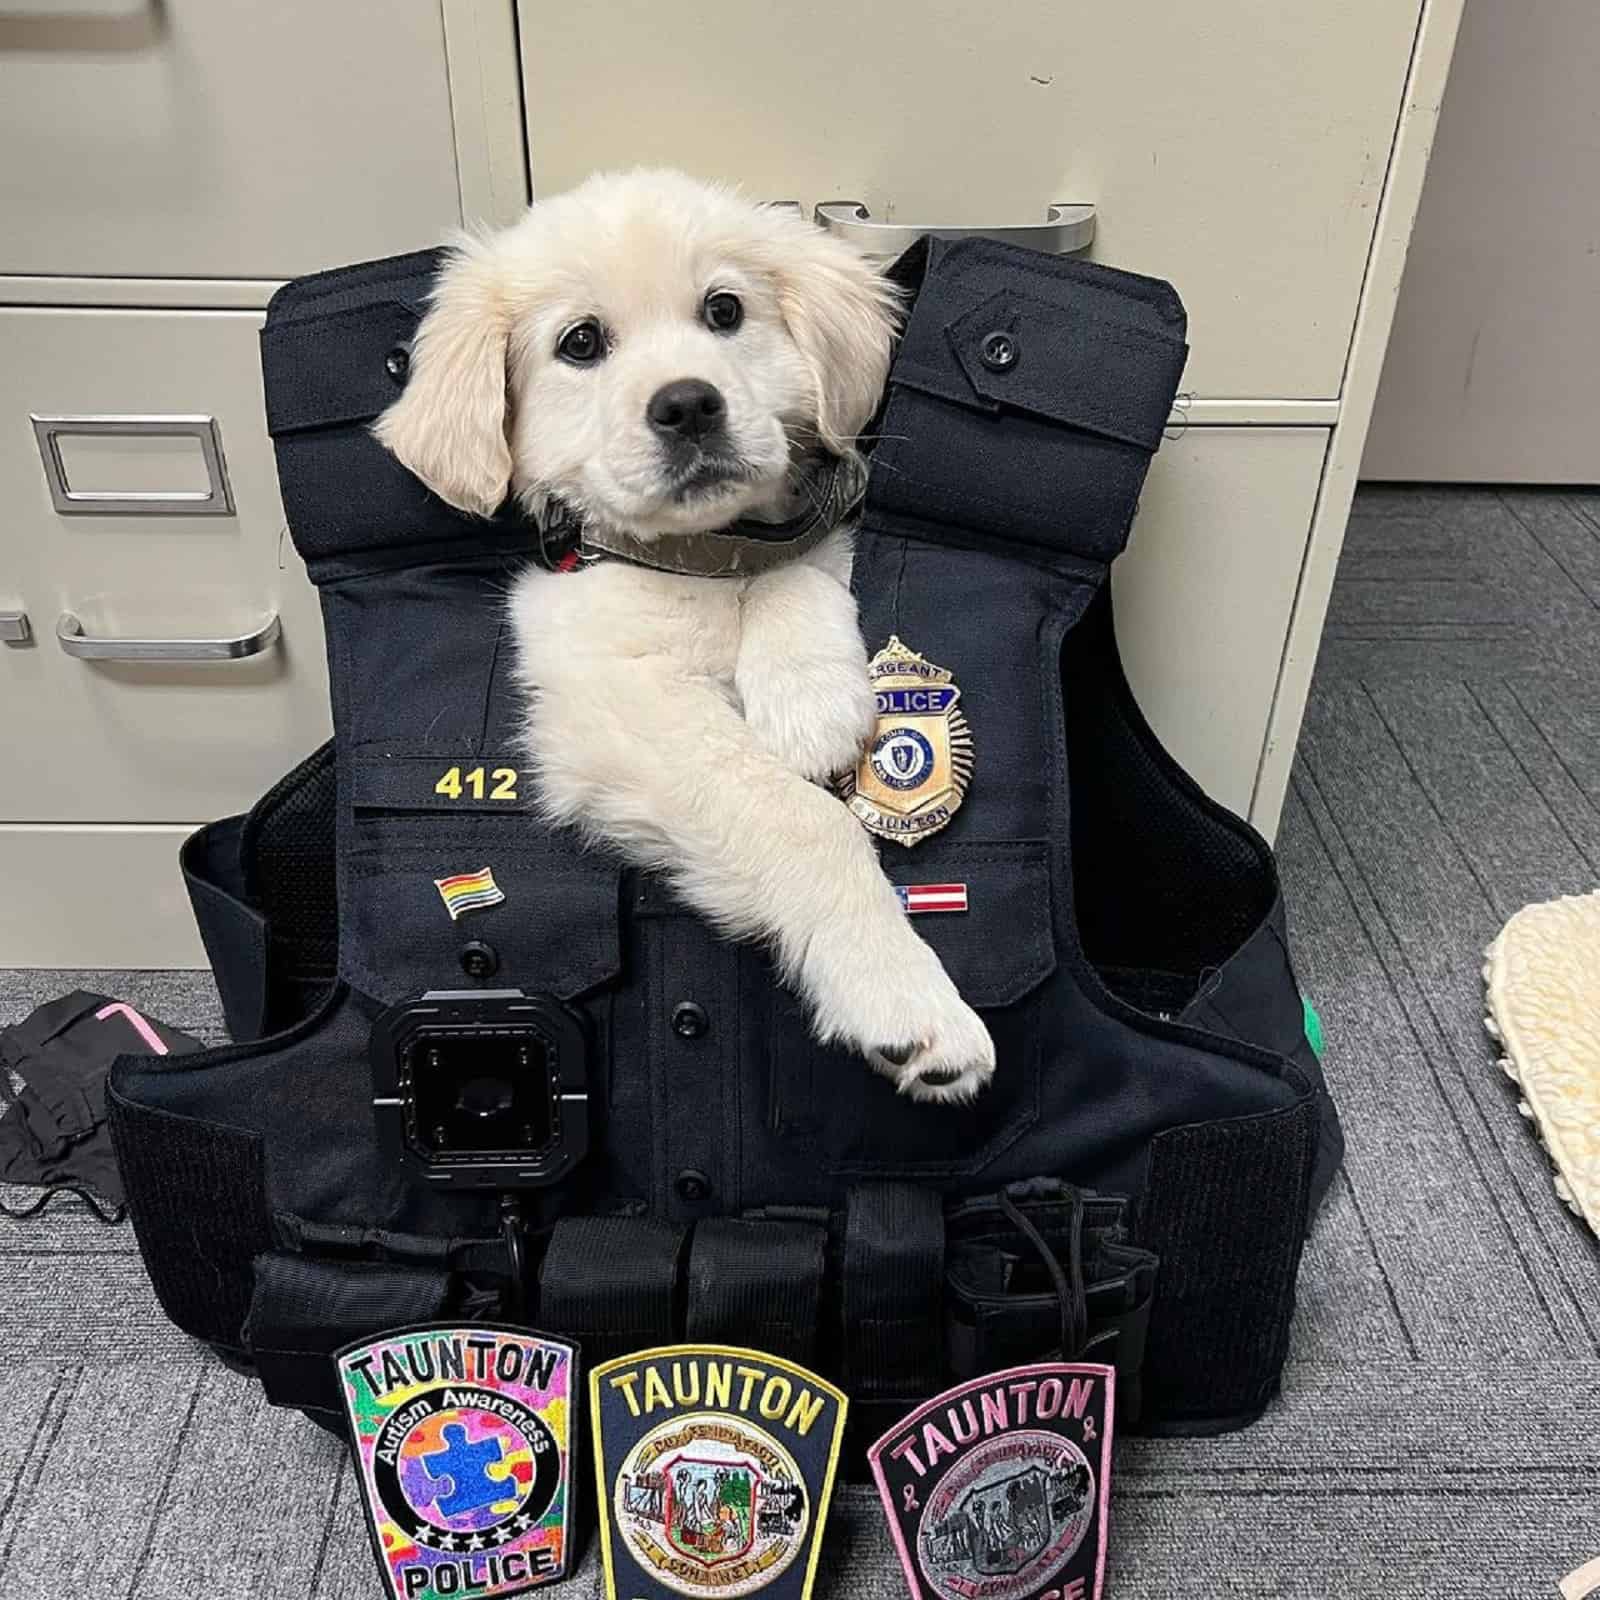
(914, 775)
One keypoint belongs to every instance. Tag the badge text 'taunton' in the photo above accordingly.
(721, 1386)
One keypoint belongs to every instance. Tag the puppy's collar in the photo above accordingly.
(834, 485)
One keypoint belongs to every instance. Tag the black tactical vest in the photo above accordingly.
(1123, 939)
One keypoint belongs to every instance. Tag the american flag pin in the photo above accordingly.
(919, 897)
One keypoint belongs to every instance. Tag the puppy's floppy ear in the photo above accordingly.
(449, 425)
(842, 313)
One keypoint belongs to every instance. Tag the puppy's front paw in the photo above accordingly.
(896, 1005)
(814, 716)
(951, 1062)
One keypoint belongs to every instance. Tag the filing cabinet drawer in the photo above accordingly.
(216, 138)
(86, 896)
(90, 738)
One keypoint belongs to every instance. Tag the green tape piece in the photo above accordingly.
(1313, 1027)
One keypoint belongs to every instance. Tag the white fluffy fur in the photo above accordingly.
(688, 721)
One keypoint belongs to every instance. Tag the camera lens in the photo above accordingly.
(476, 1095)
(482, 1089)
(485, 1097)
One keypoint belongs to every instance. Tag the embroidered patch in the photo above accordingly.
(997, 1489)
(916, 769)
(714, 1469)
(920, 897)
(462, 1440)
(469, 891)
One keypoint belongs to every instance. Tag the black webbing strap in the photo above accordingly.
(1042, 1268)
(287, 857)
(757, 1283)
(611, 1283)
(892, 1287)
(262, 890)
(233, 931)
(303, 1310)
(1067, 1280)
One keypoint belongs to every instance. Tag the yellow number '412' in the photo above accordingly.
(478, 784)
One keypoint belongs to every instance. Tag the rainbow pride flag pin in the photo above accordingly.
(469, 891)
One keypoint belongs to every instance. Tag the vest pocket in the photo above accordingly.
(426, 876)
(999, 951)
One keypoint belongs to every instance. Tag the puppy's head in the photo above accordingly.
(647, 348)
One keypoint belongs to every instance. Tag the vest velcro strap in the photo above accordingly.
(176, 1169)
(611, 1283)
(892, 1286)
(757, 1283)
(1226, 1291)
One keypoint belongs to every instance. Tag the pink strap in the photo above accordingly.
(118, 1009)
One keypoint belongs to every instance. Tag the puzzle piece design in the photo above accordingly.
(465, 1468)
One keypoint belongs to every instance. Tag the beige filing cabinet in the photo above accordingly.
(1265, 157)
(162, 169)
(167, 166)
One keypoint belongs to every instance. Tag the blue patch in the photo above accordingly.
(461, 1469)
(902, 758)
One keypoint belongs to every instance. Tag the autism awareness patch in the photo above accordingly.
(462, 1440)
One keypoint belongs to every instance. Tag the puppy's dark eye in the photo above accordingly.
(583, 344)
(723, 311)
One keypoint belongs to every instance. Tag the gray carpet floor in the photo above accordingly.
(1439, 1431)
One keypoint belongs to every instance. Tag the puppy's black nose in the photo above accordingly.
(687, 408)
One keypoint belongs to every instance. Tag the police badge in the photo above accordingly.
(997, 1489)
(915, 772)
(462, 1440)
(714, 1468)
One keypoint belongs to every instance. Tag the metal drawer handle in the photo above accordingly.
(14, 627)
(72, 639)
(1066, 230)
(215, 501)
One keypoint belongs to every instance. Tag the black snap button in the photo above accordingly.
(690, 1021)
(479, 960)
(999, 351)
(398, 362)
(693, 1186)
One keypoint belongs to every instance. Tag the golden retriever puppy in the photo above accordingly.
(678, 378)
